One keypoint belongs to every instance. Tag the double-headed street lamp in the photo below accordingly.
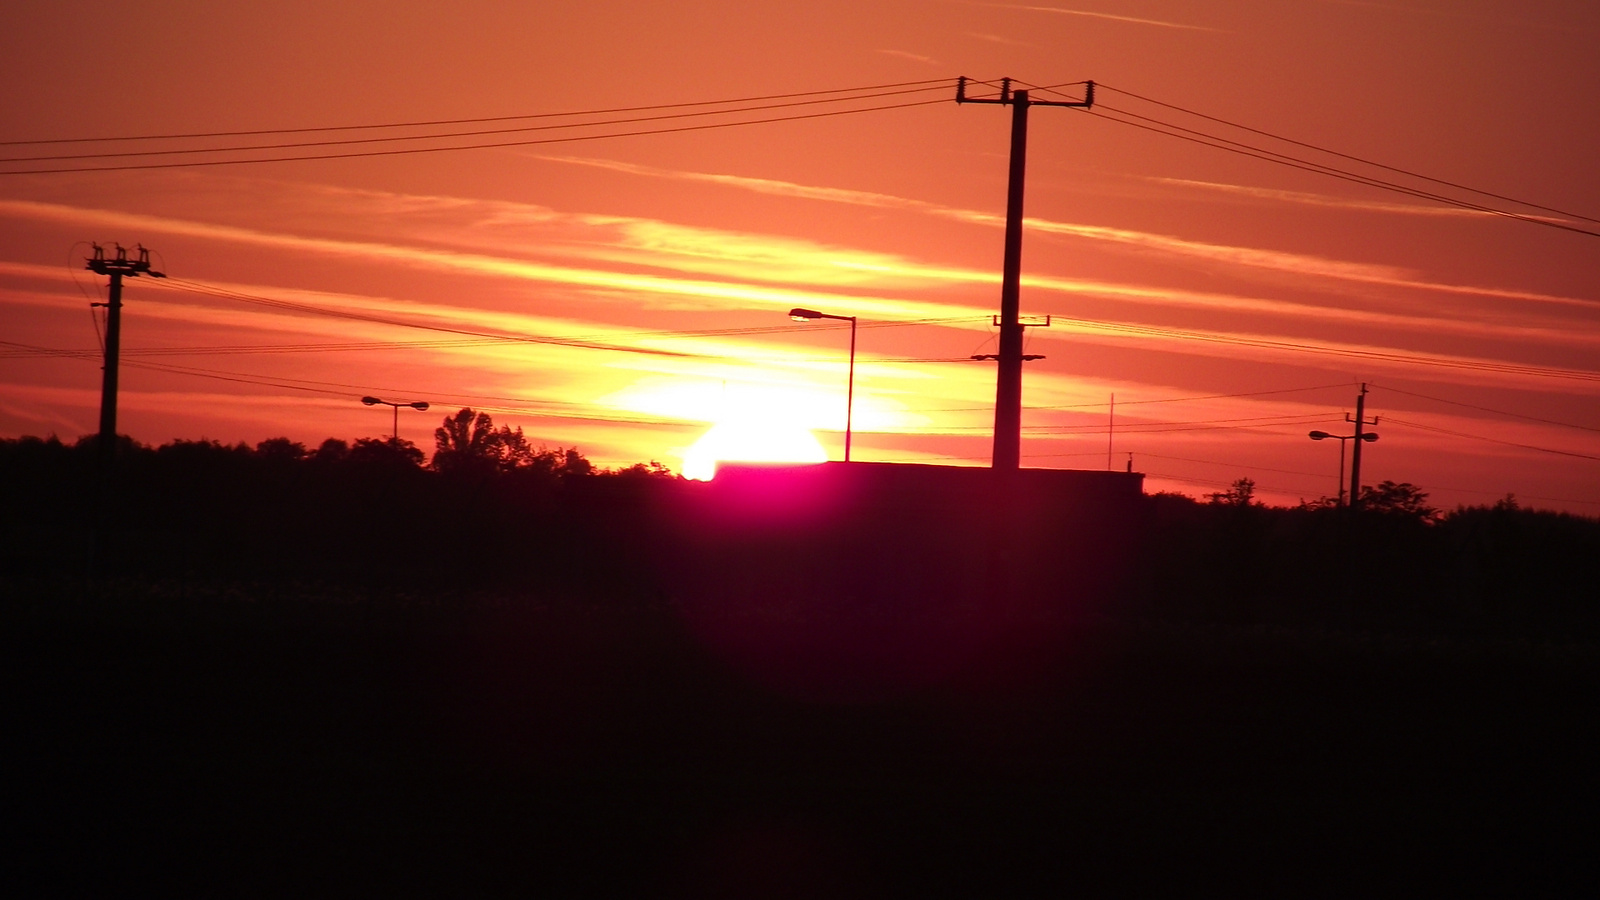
(806, 315)
(1367, 436)
(395, 434)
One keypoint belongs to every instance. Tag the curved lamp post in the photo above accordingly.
(419, 405)
(806, 315)
(1367, 436)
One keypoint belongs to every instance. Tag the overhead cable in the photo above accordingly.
(941, 83)
(396, 151)
(1498, 412)
(1363, 161)
(1479, 437)
(1204, 138)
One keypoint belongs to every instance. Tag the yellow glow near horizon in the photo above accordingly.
(753, 440)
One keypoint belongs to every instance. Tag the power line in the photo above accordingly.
(1271, 156)
(1160, 428)
(597, 342)
(1237, 465)
(1322, 387)
(1255, 152)
(1436, 488)
(1380, 355)
(1150, 427)
(585, 341)
(341, 389)
(477, 146)
(941, 84)
(208, 290)
(1187, 479)
(1222, 143)
(281, 348)
(1363, 161)
(346, 142)
(1500, 412)
(1479, 437)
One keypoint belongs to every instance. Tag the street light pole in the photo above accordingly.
(1341, 438)
(394, 434)
(806, 315)
(1359, 437)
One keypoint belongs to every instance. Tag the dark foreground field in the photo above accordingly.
(222, 741)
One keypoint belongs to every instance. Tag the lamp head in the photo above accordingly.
(804, 315)
(1368, 436)
(1320, 435)
(371, 401)
(420, 404)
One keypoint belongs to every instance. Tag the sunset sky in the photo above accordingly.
(625, 293)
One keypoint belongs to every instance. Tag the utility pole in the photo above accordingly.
(1360, 438)
(1008, 381)
(1111, 429)
(116, 270)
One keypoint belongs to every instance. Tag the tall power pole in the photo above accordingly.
(116, 270)
(1361, 437)
(1008, 381)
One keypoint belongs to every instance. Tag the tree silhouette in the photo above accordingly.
(281, 449)
(651, 469)
(469, 442)
(466, 441)
(1321, 503)
(1242, 493)
(389, 453)
(1404, 499)
(331, 451)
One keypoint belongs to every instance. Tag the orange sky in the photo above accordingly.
(654, 271)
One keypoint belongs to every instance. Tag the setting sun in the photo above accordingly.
(751, 440)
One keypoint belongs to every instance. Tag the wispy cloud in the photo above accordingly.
(997, 39)
(1306, 198)
(759, 185)
(914, 57)
(1270, 259)
(1276, 260)
(1447, 367)
(733, 256)
(705, 293)
(46, 410)
(738, 258)
(1092, 14)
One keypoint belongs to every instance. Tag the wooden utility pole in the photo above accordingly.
(1361, 437)
(116, 270)
(1008, 381)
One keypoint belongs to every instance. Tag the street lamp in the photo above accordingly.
(1367, 436)
(395, 435)
(806, 315)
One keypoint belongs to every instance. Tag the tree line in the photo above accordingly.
(487, 506)
(1393, 563)
(489, 510)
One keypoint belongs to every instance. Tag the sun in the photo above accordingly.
(751, 440)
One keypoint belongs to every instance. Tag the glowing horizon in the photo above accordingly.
(612, 296)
